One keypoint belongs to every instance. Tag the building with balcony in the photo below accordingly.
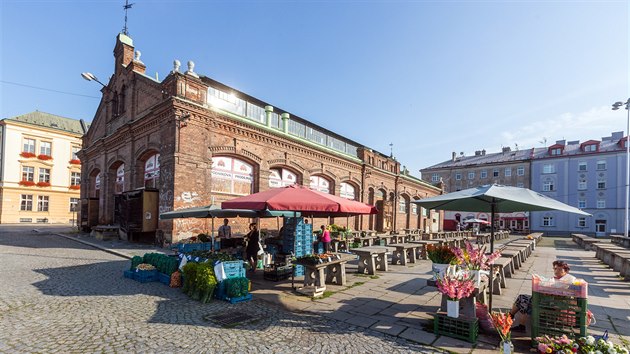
(40, 173)
(196, 141)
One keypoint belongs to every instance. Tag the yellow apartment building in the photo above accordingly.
(40, 173)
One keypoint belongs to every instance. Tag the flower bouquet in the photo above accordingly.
(475, 258)
(454, 287)
(441, 254)
(502, 323)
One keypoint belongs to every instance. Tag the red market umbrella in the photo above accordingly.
(300, 199)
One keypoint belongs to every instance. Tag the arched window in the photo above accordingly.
(232, 176)
(281, 177)
(152, 171)
(120, 179)
(402, 205)
(97, 182)
(379, 195)
(347, 191)
(320, 184)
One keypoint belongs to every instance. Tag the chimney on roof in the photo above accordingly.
(477, 152)
(454, 155)
(483, 152)
(561, 142)
(123, 51)
(506, 149)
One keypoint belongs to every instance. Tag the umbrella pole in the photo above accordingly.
(212, 234)
(492, 210)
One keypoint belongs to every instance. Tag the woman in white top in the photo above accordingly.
(523, 303)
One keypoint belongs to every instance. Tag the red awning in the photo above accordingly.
(300, 199)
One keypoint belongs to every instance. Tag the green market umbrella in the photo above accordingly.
(214, 211)
(494, 198)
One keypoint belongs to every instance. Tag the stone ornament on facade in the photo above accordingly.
(137, 56)
(191, 69)
(176, 65)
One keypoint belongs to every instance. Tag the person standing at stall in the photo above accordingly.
(225, 231)
(253, 245)
(325, 238)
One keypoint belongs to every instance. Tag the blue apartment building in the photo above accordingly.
(588, 175)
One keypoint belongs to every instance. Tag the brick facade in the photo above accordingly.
(173, 118)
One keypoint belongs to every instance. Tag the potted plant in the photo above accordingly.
(474, 260)
(502, 322)
(442, 257)
(454, 287)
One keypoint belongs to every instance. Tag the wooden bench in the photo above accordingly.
(514, 256)
(620, 240)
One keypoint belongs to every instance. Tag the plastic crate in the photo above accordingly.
(128, 274)
(164, 278)
(278, 273)
(220, 291)
(233, 269)
(462, 328)
(240, 299)
(189, 247)
(145, 276)
(555, 315)
(544, 286)
(298, 271)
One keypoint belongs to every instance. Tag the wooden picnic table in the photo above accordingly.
(405, 253)
(371, 259)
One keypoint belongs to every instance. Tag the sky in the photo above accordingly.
(428, 77)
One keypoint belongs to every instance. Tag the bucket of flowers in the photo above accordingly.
(475, 260)
(502, 323)
(455, 287)
(442, 258)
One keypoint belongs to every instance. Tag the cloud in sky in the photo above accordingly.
(592, 124)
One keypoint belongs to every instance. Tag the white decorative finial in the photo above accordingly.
(176, 65)
(191, 69)
(138, 54)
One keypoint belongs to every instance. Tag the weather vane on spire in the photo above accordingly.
(127, 6)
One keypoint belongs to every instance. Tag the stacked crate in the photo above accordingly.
(297, 238)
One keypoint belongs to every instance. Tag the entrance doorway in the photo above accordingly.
(600, 228)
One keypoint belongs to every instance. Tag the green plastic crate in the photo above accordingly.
(556, 315)
(462, 328)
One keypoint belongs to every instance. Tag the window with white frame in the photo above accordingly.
(590, 148)
(582, 203)
(547, 221)
(319, 183)
(414, 208)
(471, 175)
(556, 151)
(495, 172)
(582, 185)
(42, 203)
(507, 172)
(74, 203)
(601, 184)
(119, 186)
(520, 184)
(45, 148)
(520, 171)
(601, 165)
(581, 221)
(435, 177)
(152, 171)
(402, 205)
(28, 173)
(549, 168)
(548, 186)
(346, 191)
(582, 166)
(26, 202)
(280, 177)
(75, 178)
(28, 145)
(601, 203)
(483, 174)
(44, 175)
(458, 176)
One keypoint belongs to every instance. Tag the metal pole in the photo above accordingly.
(493, 207)
(625, 225)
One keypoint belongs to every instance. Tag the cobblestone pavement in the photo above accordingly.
(58, 295)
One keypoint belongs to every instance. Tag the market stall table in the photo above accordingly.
(317, 275)
(367, 241)
(339, 245)
(405, 253)
(371, 259)
(387, 239)
(423, 248)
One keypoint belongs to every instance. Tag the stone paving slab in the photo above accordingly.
(609, 297)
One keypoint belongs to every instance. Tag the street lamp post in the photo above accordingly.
(91, 77)
(615, 107)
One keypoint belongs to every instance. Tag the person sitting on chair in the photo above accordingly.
(523, 303)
